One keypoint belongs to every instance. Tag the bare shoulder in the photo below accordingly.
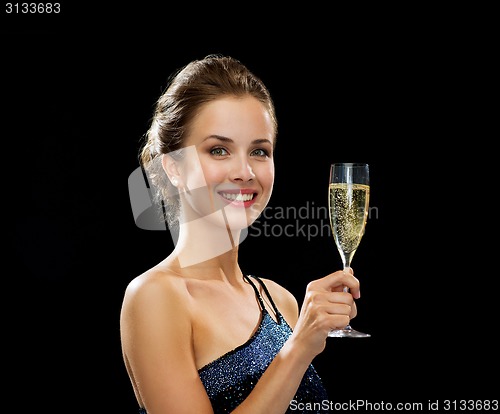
(156, 288)
(155, 312)
(284, 300)
(156, 338)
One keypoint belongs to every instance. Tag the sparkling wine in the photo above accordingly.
(348, 204)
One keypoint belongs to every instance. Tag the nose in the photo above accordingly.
(241, 170)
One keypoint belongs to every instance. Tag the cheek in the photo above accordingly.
(213, 174)
(195, 176)
(266, 175)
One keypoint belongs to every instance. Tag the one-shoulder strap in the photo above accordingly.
(276, 311)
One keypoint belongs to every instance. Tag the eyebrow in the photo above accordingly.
(226, 139)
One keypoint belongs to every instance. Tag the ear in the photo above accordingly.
(171, 169)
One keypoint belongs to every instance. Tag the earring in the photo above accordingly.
(174, 182)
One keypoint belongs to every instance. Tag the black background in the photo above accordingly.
(409, 95)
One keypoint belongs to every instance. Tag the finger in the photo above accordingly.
(328, 299)
(341, 304)
(356, 293)
(331, 317)
(339, 309)
(342, 298)
(337, 322)
(343, 288)
(336, 281)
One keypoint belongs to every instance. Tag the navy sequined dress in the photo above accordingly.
(230, 378)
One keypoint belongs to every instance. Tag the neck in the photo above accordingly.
(209, 251)
(224, 267)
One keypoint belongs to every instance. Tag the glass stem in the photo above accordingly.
(347, 266)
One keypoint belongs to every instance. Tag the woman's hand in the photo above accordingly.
(326, 306)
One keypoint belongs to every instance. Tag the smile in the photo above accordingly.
(238, 197)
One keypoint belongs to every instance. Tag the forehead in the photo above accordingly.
(233, 117)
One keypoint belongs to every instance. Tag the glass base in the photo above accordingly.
(347, 332)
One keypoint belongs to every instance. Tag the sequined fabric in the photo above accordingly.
(230, 378)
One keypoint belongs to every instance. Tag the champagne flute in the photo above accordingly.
(349, 195)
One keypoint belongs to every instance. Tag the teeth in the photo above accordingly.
(237, 197)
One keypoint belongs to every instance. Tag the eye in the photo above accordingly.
(218, 152)
(259, 152)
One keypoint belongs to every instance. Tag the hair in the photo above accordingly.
(188, 90)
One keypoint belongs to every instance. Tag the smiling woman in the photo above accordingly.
(199, 336)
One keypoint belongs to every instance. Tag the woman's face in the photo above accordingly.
(233, 166)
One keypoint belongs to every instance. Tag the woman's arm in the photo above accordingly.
(157, 347)
(325, 307)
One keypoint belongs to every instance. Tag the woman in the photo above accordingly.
(199, 336)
